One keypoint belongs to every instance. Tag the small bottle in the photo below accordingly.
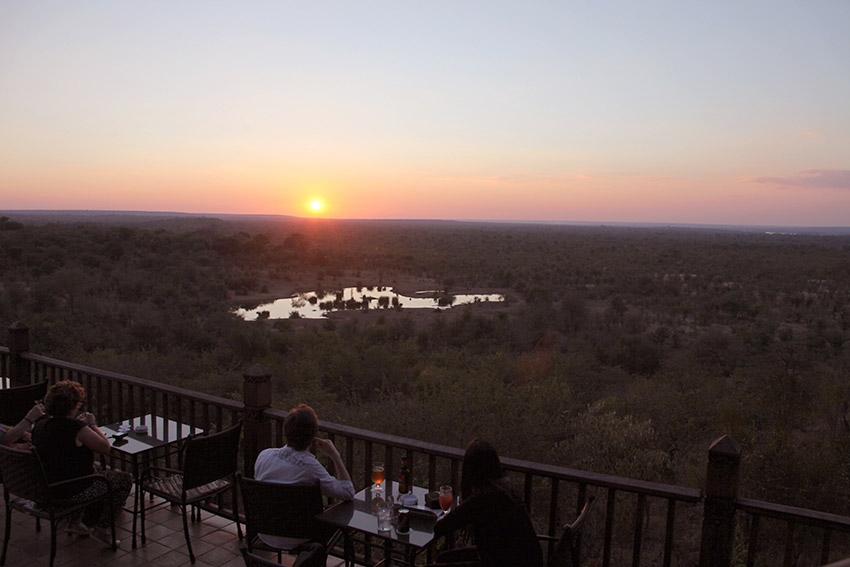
(404, 483)
(403, 521)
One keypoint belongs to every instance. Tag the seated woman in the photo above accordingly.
(19, 436)
(66, 443)
(501, 528)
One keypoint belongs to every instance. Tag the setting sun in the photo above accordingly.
(316, 205)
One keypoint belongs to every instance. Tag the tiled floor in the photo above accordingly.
(214, 542)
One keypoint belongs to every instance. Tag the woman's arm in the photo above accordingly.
(460, 517)
(13, 434)
(91, 436)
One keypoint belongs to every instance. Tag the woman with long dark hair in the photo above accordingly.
(501, 528)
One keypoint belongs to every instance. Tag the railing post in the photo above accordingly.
(721, 490)
(257, 397)
(19, 343)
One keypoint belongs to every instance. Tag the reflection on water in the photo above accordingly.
(311, 305)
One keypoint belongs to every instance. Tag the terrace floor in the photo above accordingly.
(214, 542)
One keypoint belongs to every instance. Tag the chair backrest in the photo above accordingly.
(23, 474)
(206, 458)
(568, 547)
(287, 510)
(16, 402)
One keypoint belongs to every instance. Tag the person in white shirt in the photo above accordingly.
(295, 464)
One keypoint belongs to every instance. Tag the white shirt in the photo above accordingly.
(288, 466)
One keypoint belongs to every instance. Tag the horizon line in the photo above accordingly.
(467, 220)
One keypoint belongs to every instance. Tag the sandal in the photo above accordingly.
(77, 528)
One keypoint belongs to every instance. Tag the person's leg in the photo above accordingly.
(122, 483)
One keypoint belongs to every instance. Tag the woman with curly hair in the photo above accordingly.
(66, 443)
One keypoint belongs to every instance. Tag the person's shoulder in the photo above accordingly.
(267, 454)
(60, 423)
(503, 490)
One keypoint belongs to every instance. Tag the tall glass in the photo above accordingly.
(446, 497)
(378, 476)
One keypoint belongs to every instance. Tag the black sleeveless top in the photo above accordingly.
(55, 441)
(503, 532)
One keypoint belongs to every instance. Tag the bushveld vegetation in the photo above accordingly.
(624, 351)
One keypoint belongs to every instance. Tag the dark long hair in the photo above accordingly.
(481, 467)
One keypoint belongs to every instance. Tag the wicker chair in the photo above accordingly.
(567, 546)
(16, 402)
(25, 479)
(286, 510)
(208, 465)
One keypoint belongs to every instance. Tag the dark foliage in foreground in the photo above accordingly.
(625, 351)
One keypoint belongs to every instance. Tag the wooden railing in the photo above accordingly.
(803, 533)
(635, 522)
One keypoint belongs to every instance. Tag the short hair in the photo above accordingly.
(301, 427)
(62, 397)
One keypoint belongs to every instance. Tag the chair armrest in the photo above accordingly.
(93, 477)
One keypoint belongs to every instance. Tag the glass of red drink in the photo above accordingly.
(446, 497)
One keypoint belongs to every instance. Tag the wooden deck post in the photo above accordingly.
(19, 343)
(257, 397)
(721, 490)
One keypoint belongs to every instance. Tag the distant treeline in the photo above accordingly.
(626, 351)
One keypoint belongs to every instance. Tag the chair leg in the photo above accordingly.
(8, 533)
(186, 533)
(236, 511)
(142, 512)
(52, 540)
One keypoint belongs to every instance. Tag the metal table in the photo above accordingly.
(357, 515)
(163, 434)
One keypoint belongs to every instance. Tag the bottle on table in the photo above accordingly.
(404, 479)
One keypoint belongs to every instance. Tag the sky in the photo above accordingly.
(722, 112)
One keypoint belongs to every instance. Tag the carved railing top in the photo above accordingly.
(135, 381)
(782, 512)
(563, 473)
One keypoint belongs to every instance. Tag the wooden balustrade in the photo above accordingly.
(635, 522)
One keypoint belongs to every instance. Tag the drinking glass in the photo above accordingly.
(445, 498)
(385, 518)
(378, 476)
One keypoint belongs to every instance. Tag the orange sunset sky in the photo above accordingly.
(612, 111)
